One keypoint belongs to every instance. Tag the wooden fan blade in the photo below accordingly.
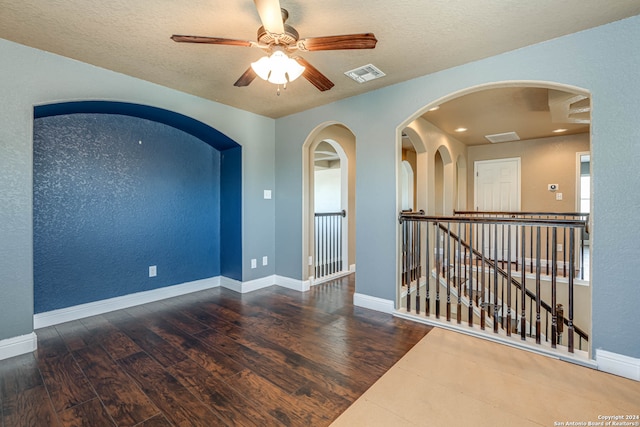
(209, 40)
(246, 78)
(314, 76)
(347, 41)
(270, 15)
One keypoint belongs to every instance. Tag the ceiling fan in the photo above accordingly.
(280, 40)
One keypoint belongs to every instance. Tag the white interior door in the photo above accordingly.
(497, 189)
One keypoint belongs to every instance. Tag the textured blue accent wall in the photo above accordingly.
(231, 213)
(114, 194)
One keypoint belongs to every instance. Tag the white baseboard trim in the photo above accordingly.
(231, 284)
(16, 346)
(251, 285)
(335, 276)
(295, 284)
(618, 364)
(373, 303)
(55, 317)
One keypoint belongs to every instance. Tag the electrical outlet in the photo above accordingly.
(254, 263)
(310, 260)
(153, 271)
(558, 196)
(559, 247)
(265, 260)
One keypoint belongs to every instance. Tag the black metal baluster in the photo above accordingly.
(483, 301)
(570, 329)
(458, 278)
(554, 301)
(470, 287)
(517, 235)
(409, 265)
(547, 254)
(531, 249)
(448, 266)
(495, 281)
(538, 272)
(564, 252)
(509, 284)
(523, 295)
(419, 266)
(428, 274)
(439, 261)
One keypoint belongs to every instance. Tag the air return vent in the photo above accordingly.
(503, 137)
(365, 73)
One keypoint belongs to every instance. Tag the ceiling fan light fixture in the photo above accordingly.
(278, 68)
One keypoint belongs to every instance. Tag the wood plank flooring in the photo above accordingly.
(272, 357)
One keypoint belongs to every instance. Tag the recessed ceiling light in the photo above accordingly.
(437, 107)
(560, 130)
(460, 129)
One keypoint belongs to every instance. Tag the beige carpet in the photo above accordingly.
(451, 379)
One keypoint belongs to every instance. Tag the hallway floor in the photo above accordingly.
(451, 379)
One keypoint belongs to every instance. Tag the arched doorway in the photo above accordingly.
(450, 175)
(329, 203)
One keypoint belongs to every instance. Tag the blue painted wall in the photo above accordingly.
(231, 213)
(114, 194)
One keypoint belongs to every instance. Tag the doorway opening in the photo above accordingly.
(329, 206)
(536, 127)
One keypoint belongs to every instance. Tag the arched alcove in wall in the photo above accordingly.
(450, 177)
(129, 198)
(338, 143)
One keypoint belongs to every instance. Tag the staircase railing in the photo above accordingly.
(328, 243)
(546, 248)
(474, 260)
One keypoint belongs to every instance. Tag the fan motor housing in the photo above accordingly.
(290, 36)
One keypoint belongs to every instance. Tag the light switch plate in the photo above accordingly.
(267, 194)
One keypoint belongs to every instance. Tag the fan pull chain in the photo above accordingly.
(284, 87)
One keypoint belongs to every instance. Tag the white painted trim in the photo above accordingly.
(325, 279)
(55, 317)
(262, 282)
(16, 346)
(231, 284)
(296, 285)
(373, 303)
(352, 268)
(618, 364)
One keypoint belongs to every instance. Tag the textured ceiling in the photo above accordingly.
(415, 37)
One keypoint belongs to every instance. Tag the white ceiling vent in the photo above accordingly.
(365, 73)
(503, 137)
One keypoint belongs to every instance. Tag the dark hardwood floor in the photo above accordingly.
(270, 357)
